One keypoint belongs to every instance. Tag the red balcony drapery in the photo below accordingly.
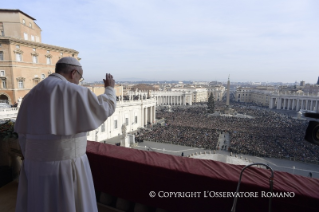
(132, 174)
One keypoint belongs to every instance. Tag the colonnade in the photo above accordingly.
(295, 103)
(172, 100)
(148, 115)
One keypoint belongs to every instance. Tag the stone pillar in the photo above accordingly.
(316, 107)
(142, 117)
(272, 103)
(289, 104)
(293, 104)
(284, 104)
(279, 103)
(311, 105)
(154, 114)
(306, 104)
(146, 115)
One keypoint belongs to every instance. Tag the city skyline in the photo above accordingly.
(273, 41)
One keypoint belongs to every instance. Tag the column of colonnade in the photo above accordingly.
(148, 115)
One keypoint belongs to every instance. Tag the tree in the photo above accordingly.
(211, 103)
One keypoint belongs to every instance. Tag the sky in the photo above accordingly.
(197, 40)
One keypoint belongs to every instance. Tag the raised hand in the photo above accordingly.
(109, 81)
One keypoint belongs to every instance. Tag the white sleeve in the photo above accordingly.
(109, 98)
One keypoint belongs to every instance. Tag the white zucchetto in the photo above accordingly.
(70, 61)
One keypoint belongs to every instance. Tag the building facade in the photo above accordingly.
(243, 94)
(24, 60)
(132, 113)
(198, 94)
(258, 95)
(218, 92)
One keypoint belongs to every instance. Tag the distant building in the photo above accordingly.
(200, 83)
(199, 94)
(257, 95)
(100, 89)
(302, 83)
(218, 92)
(256, 83)
(243, 94)
(24, 60)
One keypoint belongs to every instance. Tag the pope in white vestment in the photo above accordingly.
(52, 123)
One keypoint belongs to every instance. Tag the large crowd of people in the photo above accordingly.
(267, 134)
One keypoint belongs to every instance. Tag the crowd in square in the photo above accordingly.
(268, 134)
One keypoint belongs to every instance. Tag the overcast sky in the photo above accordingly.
(266, 40)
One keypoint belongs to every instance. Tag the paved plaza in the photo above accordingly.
(292, 167)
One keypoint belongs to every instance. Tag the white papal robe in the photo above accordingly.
(52, 123)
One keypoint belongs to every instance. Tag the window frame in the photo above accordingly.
(20, 84)
(4, 84)
(49, 62)
(18, 57)
(34, 59)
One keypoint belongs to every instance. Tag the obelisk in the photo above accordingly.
(227, 97)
